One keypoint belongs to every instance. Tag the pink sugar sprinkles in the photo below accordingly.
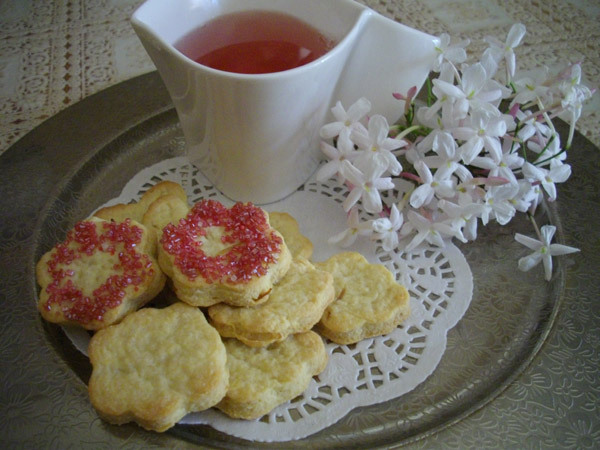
(254, 244)
(132, 269)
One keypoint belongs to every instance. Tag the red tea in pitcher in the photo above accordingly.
(254, 42)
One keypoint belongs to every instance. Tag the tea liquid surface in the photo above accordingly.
(254, 42)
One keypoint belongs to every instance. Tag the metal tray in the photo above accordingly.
(520, 368)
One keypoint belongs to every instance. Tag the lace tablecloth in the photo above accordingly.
(54, 53)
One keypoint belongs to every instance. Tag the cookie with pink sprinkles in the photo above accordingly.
(218, 254)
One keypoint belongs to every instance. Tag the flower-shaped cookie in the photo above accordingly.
(156, 366)
(100, 273)
(218, 254)
(368, 300)
(295, 305)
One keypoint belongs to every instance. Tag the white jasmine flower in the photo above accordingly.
(355, 228)
(344, 150)
(498, 203)
(473, 91)
(441, 183)
(427, 230)
(530, 87)
(455, 53)
(366, 184)
(346, 119)
(463, 216)
(543, 250)
(558, 173)
(386, 228)
(499, 50)
(376, 141)
(483, 131)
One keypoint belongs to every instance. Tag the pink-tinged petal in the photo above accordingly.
(559, 249)
(339, 112)
(378, 128)
(547, 260)
(449, 89)
(359, 109)
(331, 130)
(352, 174)
(421, 196)
(415, 242)
(423, 171)
(528, 242)
(372, 201)
(515, 35)
(530, 261)
(494, 148)
(511, 62)
(473, 79)
(504, 212)
(550, 189)
(547, 232)
(470, 149)
(560, 174)
(327, 171)
(329, 150)
(344, 239)
(351, 199)
(383, 184)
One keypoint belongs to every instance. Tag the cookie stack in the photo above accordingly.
(246, 333)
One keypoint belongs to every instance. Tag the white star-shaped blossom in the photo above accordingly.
(473, 92)
(344, 150)
(531, 86)
(355, 228)
(426, 230)
(346, 119)
(463, 216)
(499, 50)
(498, 202)
(376, 141)
(558, 173)
(503, 167)
(481, 131)
(544, 250)
(440, 183)
(386, 228)
(454, 53)
(366, 184)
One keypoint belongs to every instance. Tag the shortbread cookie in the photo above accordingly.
(217, 254)
(174, 194)
(156, 366)
(136, 211)
(262, 378)
(99, 274)
(368, 300)
(300, 246)
(295, 305)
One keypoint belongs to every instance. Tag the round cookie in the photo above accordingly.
(368, 300)
(295, 305)
(156, 366)
(263, 378)
(99, 274)
(300, 246)
(217, 254)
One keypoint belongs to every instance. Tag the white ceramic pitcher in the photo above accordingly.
(256, 137)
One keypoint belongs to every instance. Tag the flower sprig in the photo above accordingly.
(481, 148)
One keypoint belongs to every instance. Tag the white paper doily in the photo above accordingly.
(439, 281)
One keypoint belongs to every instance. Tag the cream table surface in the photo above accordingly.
(54, 54)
